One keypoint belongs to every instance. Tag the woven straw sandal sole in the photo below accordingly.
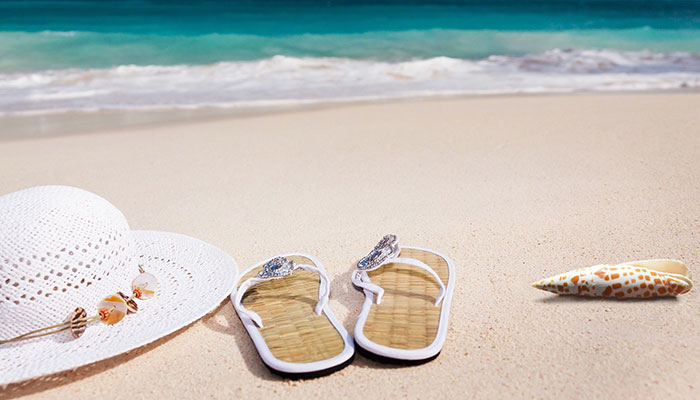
(407, 327)
(295, 342)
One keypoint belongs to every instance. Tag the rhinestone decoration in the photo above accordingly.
(387, 248)
(278, 267)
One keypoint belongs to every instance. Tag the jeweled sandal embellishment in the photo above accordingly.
(278, 267)
(110, 310)
(387, 248)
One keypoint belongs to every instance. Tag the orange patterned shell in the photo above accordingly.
(131, 305)
(112, 309)
(630, 280)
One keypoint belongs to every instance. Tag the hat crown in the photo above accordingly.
(60, 248)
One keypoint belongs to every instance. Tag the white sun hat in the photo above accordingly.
(62, 248)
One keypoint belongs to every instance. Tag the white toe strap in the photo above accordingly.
(324, 288)
(323, 291)
(362, 280)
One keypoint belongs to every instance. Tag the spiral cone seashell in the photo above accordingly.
(637, 279)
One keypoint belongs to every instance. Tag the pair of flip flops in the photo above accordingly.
(283, 304)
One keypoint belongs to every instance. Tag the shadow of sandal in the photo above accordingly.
(345, 293)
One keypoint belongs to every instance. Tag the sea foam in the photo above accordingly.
(290, 80)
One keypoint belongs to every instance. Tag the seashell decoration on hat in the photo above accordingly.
(66, 255)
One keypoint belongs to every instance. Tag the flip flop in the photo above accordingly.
(413, 288)
(283, 304)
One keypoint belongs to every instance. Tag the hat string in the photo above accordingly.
(63, 326)
(111, 310)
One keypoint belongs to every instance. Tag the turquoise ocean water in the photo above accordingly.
(88, 55)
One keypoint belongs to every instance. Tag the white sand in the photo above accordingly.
(513, 189)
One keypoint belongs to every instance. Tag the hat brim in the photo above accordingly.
(194, 277)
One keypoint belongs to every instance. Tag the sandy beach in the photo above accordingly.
(513, 189)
